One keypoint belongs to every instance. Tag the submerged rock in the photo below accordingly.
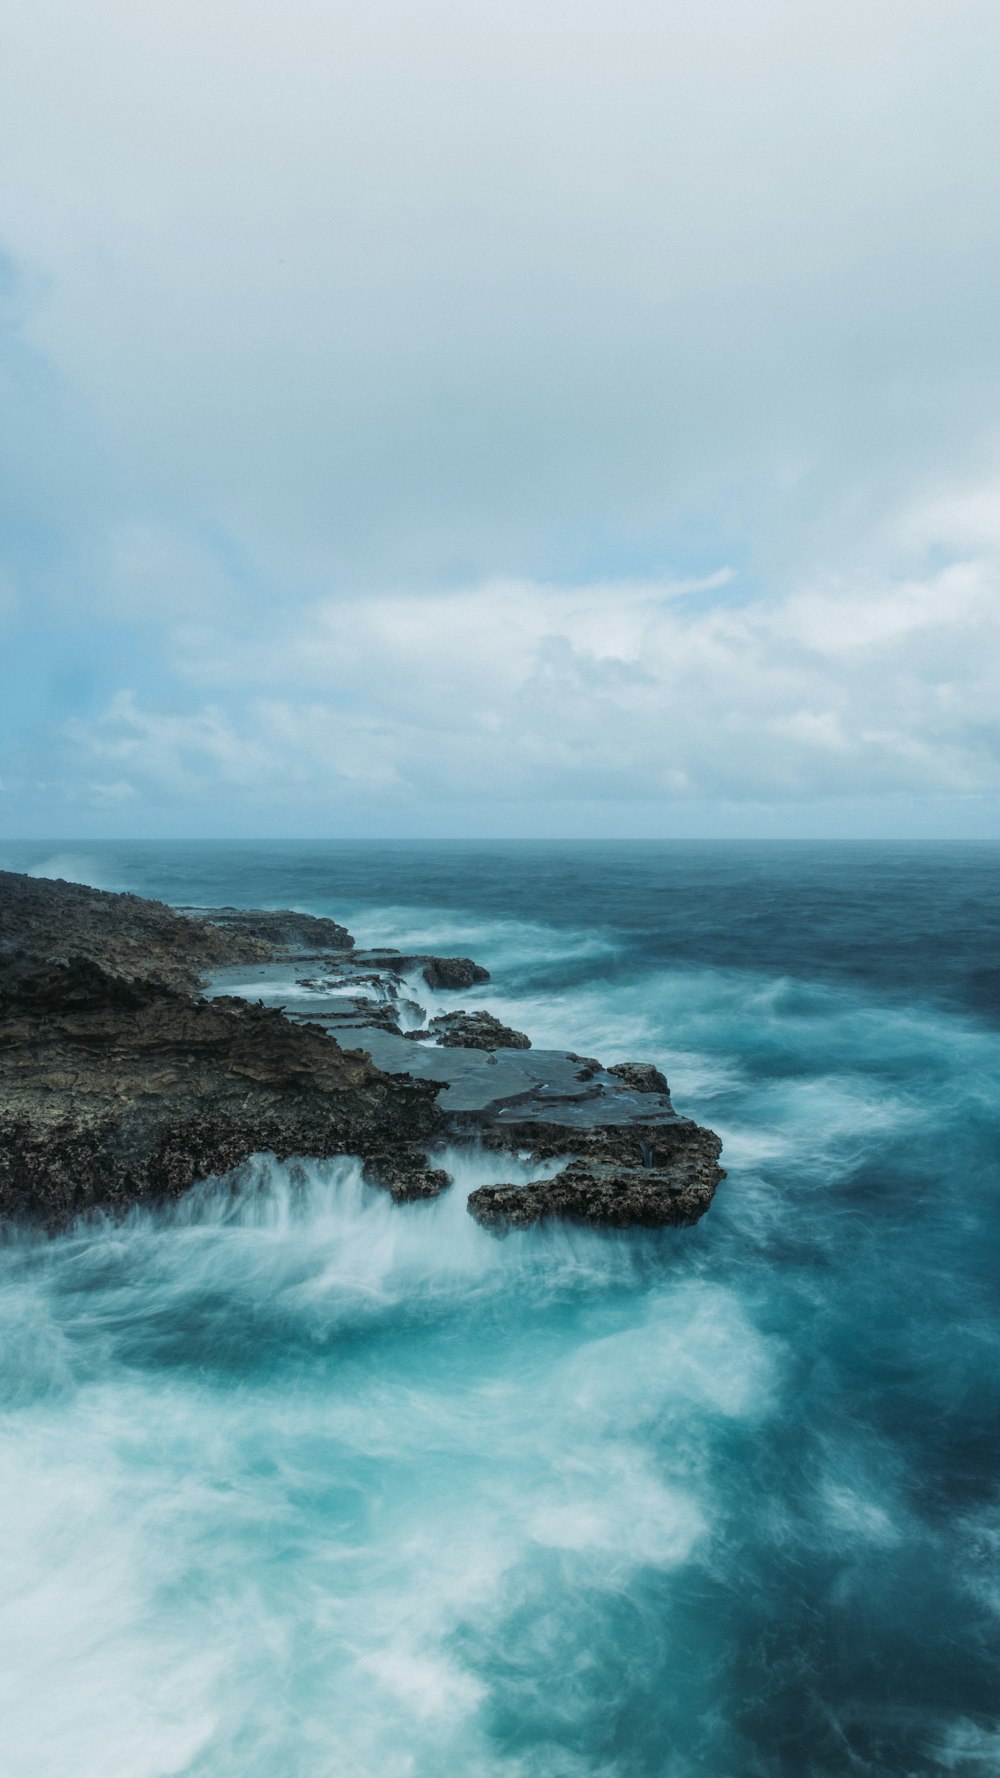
(386, 986)
(390, 967)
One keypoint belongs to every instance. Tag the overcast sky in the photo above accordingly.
(521, 418)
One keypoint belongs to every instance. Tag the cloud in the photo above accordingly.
(435, 294)
(491, 409)
(605, 693)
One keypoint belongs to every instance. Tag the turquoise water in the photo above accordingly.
(311, 1486)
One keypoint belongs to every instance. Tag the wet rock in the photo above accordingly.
(407, 1177)
(476, 1031)
(631, 1142)
(356, 1013)
(386, 987)
(640, 1077)
(115, 1090)
(453, 972)
(119, 1084)
(500, 1087)
(282, 929)
(438, 972)
(610, 1194)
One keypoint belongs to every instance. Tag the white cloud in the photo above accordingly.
(614, 691)
(367, 363)
(441, 292)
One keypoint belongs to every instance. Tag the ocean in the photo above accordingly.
(306, 1485)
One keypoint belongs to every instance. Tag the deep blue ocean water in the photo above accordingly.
(310, 1486)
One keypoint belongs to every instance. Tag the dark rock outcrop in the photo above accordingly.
(407, 1177)
(453, 972)
(672, 1142)
(474, 1031)
(611, 1193)
(133, 937)
(640, 1077)
(121, 1083)
(112, 1092)
(281, 929)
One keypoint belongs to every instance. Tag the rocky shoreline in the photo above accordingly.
(143, 1048)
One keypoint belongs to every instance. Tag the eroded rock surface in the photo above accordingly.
(407, 1177)
(279, 929)
(453, 972)
(146, 940)
(610, 1194)
(120, 1083)
(640, 1077)
(473, 1031)
(116, 1091)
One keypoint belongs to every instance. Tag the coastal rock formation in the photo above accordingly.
(473, 1031)
(453, 972)
(656, 1174)
(640, 1077)
(406, 1177)
(355, 1013)
(280, 930)
(607, 1194)
(115, 1091)
(120, 1082)
(135, 938)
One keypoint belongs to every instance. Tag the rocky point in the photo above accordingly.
(143, 1048)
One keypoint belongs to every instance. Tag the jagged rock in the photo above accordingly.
(281, 929)
(476, 1031)
(407, 1177)
(610, 1194)
(640, 1077)
(630, 1143)
(453, 972)
(45, 918)
(113, 1091)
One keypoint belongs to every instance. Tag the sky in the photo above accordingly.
(422, 418)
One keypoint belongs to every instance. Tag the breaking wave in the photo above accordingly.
(296, 1481)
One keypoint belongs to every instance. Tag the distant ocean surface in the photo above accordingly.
(317, 1487)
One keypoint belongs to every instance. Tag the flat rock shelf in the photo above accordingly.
(633, 1159)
